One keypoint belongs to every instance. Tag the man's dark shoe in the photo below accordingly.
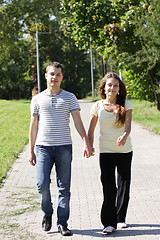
(64, 230)
(47, 223)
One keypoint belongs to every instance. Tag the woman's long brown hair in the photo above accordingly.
(121, 97)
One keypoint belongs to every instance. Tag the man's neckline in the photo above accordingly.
(53, 94)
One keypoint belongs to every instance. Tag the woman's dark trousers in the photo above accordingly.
(116, 186)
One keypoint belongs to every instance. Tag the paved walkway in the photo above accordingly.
(20, 214)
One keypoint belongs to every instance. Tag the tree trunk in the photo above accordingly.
(156, 95)
(158, 101)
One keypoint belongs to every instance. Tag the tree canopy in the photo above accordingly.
(125, 30)
(19, 20)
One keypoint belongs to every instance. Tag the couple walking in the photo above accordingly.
(50, 132)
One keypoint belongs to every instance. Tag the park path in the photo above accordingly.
(20, 214)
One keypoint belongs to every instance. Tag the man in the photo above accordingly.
(50, 131)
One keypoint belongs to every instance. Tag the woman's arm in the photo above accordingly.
(128, 119)
(92, 126)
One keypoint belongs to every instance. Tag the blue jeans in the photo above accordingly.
(46, 157)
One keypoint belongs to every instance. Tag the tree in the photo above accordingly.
(147, 29)
(17, 17)
(120, 30)
(13, 67)
(18, 49)
(145, 61)
(56, 47)
(97, 18)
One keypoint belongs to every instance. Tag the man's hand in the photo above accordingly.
(32, 159)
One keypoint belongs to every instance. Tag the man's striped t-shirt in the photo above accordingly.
(54, 117)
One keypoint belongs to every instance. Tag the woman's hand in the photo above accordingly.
(121, 141)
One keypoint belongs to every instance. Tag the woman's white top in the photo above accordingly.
(109, 133)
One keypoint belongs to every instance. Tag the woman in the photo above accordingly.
(115, 114)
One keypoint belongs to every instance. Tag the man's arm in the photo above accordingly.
(80, 129)
(32, 139)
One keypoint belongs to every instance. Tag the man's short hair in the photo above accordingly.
(56, 65)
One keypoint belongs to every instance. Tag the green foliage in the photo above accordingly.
(18, 50)
(17, 18)
(100, 19)
(13, 69)
(84, 18)
(136, 86)
(145, 62)
(126, 31)
(14, 127)
(56, 47)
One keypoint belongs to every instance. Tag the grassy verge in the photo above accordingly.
(146, 113)
(14, 126)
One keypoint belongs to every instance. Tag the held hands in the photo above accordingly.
(88, 151)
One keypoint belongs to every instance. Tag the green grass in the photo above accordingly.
(14, 127)
(146, 113)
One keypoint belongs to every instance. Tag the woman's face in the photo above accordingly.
(112, 87)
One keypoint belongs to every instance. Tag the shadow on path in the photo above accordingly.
(148, 229)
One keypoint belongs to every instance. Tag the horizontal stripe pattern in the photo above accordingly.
(54, 117)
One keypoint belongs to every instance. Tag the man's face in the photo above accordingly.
(54, 77)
